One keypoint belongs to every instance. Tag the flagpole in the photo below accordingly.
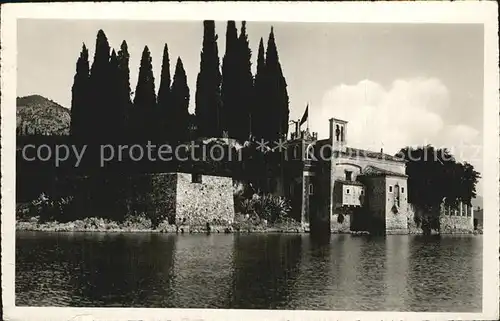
(307, 117)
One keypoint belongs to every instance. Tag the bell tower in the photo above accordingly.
(338, 134)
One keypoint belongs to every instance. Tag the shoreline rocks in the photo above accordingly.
(247, 226)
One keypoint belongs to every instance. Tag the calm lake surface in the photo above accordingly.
(263, 271)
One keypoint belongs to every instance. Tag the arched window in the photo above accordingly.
(396, 194)
(309, 152)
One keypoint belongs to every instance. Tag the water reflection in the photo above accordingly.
(202, 271)
(265, 269)
(446, 273)
(339, 272)
(396, 272)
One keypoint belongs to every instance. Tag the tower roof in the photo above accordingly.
(340, 121)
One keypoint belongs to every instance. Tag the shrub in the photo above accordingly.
(50, 209)
(137, 222)
(24, 212)
(268, 207)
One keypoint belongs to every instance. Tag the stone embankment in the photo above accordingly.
(138, 225)
(100, 225)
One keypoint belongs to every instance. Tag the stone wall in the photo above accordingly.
(320, 201)
(340, 223)
(162, 198)
(170, 197)
(449, 224)
(115, 195)
(396, 222)
(375, 196)
(210, 200)
(455, 224)
(153, 195)
(305, 209)
(413, 227)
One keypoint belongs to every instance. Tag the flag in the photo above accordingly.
(306, 115)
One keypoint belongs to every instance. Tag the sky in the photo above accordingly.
(396, 84)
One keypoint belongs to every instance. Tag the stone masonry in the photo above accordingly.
(204, 198)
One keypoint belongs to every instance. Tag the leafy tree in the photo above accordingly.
(80, 94)
(145, 98)
(434, 177)
(180, 104)
(164, 98)
(208, 95)
(468, 182)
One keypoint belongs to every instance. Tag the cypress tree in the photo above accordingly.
(245, 86)
(208, 100)
(180, 104)
(124, 86)
(229, 86)
(99, 82)
(164, 98)
(116, 112)
(145, 98)
(259, 125)
(277, 95)
(79, 96)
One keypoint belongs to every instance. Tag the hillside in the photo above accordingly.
(37, 113)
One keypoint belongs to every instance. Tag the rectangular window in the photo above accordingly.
(311, 189)
(390, 188)
(402, 189)
(347, 191)
(195, 178)
(348, 176)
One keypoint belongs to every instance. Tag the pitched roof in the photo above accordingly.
(344, 182)
(367, 153)
(376, 171)
(357, 152)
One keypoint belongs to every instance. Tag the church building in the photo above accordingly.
(336, 188)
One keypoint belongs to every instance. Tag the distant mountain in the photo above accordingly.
(477, 202)
(36, 113)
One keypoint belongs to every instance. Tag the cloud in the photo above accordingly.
(409, 113)
(412, 112)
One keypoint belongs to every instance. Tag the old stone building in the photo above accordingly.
(192, 199)
(339, 188)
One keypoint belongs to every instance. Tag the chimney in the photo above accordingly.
(331, 129)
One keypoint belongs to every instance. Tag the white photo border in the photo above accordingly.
(354, 12)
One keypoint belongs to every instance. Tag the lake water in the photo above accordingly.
(262, 271)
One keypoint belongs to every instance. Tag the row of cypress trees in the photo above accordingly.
(229, 100)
